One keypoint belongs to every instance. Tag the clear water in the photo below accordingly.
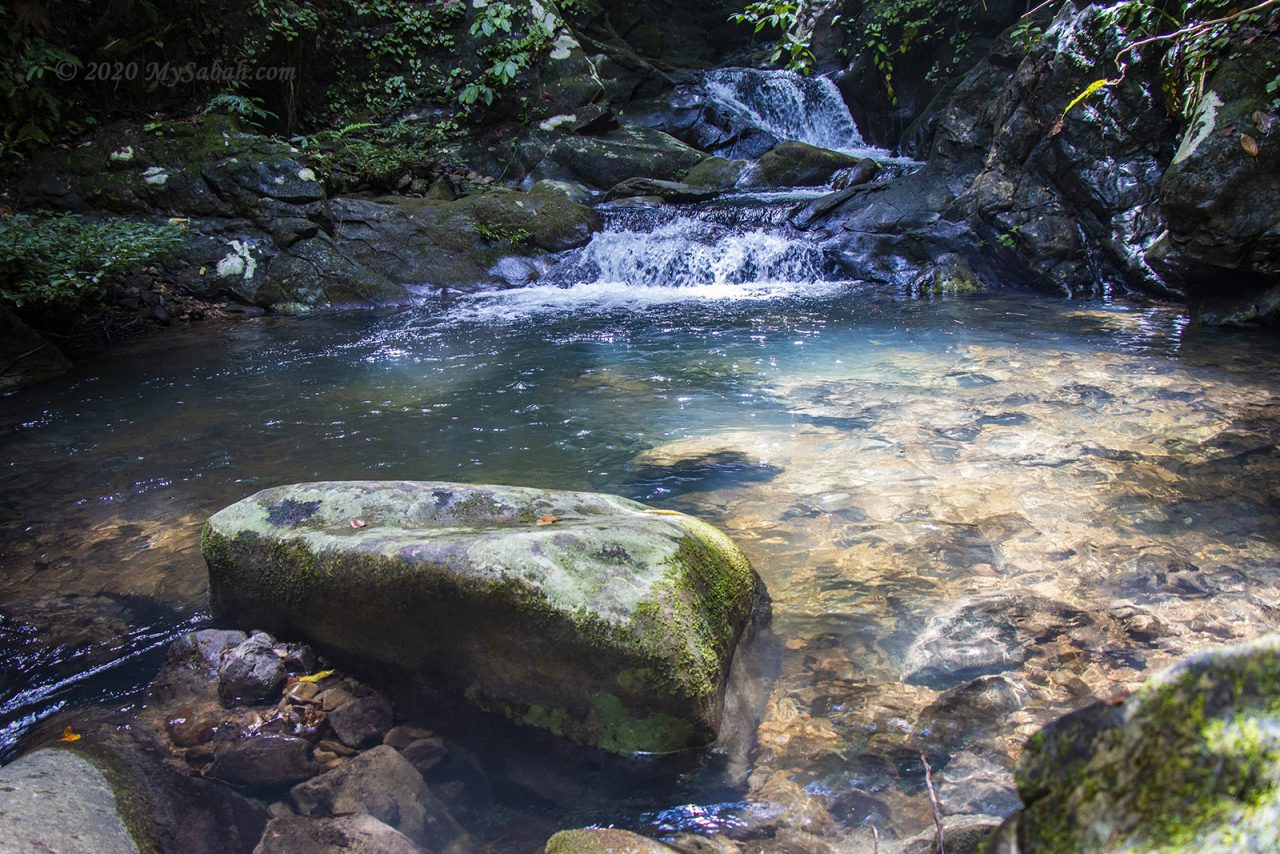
(1103, 475)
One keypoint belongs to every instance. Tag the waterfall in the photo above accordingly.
(689, 252)
(788, 106)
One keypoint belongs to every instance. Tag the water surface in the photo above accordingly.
(972, 514)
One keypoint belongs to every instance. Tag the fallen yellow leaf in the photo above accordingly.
(316, 677)
(546, 520)
(1249, 144)
(68, 734)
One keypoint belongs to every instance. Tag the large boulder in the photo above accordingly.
(1219, 195)
(56, 800)
(797, 164)
(607, 160)
(594, 617)
(1189, 762)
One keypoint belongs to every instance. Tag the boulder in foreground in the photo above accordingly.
(1189, 762)
(597, 618)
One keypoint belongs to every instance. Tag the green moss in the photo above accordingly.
(622, 731)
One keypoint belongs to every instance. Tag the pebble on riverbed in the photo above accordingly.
(245, 712)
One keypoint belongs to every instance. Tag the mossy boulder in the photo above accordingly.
(607, 160)
(597, 618)
(1190, 762)
(797, 164)
(603, 840)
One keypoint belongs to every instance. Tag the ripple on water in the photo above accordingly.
(973, 515)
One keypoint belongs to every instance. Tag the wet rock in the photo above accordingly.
(608, 160)
(25, 356)
(361, 722)
(860, 173)
(55, 800)
(986, 636)
(797, 164)
(251, 672)
(383, 784)
(262, 760)
(968, 834)
(718, 172)
(1218, 200)
(603, 840)
(668, 191)
(298, 658)
(353, 834)
(604, 664)
(402, 736)
(425, 753)
(1188, 762)
(191, 726)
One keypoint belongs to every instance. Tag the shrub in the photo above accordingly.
(62, 260)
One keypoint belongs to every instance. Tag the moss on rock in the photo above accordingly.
(612, 626)
(1191, 762)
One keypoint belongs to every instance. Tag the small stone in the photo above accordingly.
(402, 736)
(331, 698)
(362, 722)
(251, 673)
(425, 753)
(189, 727)
(298, 658)
(335, 747)
(302, 692)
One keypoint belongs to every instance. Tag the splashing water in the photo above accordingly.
(804, 109)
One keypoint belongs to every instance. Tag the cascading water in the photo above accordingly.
(804, 109)
(737, 247)
(729, 250)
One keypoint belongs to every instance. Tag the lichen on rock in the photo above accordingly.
(610, 623)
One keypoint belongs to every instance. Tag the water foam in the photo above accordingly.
(804, 109)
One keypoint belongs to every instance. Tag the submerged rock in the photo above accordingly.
(381, 783)
(1190, 762)
(352, 834)
(594, 617)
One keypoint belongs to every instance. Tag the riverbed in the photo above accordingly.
(972, 513)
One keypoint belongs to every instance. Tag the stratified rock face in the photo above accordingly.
(592, 616)
(1191, 762)
(55, 800)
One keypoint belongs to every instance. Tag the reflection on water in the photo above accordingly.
(972, 515)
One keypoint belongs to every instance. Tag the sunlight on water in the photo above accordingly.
(972, 514)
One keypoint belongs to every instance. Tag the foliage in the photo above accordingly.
(63, 260)
(889, 30)
(378, 156)
(785, 18)
(28, 68)
(244, 107)
(509, 39)
(1188, 37)
(499, 232)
